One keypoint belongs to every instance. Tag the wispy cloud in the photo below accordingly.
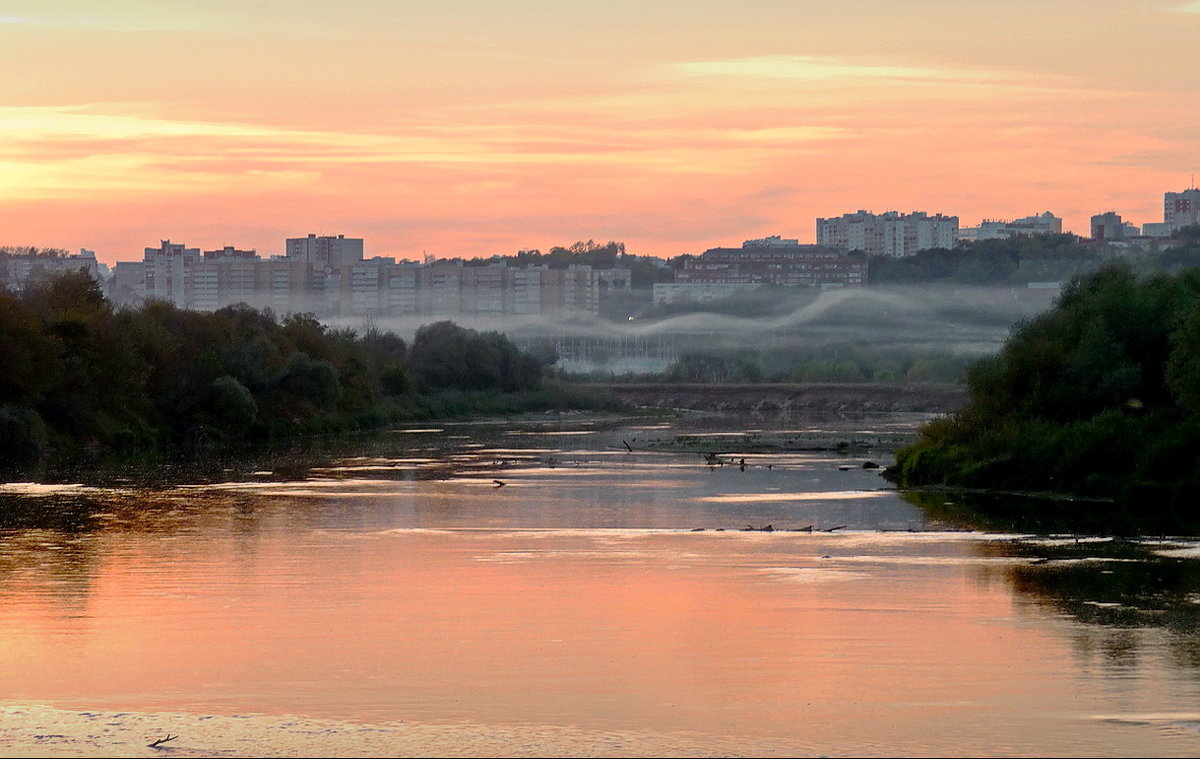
(814, 68)
(76, 147)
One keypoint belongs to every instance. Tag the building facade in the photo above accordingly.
(1181, 209)
(20, 266)
(888, 234)
(999, 229)
(328, 250)
(1109, 227)
(329, 276)
(168, 272)
(720, 272)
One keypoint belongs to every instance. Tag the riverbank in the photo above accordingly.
(1098, 397)
(784, 399)
(38, 731)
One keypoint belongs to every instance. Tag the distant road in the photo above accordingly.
(793, 397)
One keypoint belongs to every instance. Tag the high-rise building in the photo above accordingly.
(1181, 209)
(168, 271)
(328, 251)
(1108, 226)
(888, 234)
(329, 276)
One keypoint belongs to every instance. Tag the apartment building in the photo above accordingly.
(168, 272)
(1181, 209)
(720, 272)
(1108, 226)
(330, 276)
(1002, 229)
(327, 250)
(21, 265)
(888, 234)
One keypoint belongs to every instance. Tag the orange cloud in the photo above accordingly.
(472, 129)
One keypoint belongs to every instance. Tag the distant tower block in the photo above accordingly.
(1181, 209)
(327, 251)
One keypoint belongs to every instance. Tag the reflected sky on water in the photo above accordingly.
(470, 574)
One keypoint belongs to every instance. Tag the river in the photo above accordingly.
(576, 586)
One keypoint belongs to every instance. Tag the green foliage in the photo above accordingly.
(446, 355)
(727, 366)
(644, 271)
(824, 363)
(1099, 396)
(23, 434)
(1015, 260)
(29, 357)
(231, 404)
(1183, 365)
(32, 250)
(1190, 233)
(77, 376)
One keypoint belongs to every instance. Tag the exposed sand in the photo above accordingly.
(39, 731)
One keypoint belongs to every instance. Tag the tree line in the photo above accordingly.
(1021, 259)
(1099, 396)
(77, 374)
(843, 362)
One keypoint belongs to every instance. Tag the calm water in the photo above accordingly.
(602, 589)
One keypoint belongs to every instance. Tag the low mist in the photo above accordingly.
(965, 321)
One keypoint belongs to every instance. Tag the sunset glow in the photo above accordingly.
(471, 129)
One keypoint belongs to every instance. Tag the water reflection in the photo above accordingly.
(1046, 514)
(602, 586)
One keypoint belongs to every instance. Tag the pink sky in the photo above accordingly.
(475, 128)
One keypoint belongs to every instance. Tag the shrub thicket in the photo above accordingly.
(77, 374)
(1099, 396)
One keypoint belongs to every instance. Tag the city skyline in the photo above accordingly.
(471, 129)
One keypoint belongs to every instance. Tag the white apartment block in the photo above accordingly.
(527, 291)
(888, 234)
(330, 276)
(328, 250)
(168, 272)
(401, 297)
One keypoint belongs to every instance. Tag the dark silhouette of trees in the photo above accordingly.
(1099, 396)
(77, 375)
(446, 355)
(1014, 260)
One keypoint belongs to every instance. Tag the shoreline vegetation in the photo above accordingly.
(1095, 402)
(1097, 398)
(83, 379)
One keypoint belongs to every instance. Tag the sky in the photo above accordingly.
(481, 127)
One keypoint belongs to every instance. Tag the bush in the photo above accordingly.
(1098, 397)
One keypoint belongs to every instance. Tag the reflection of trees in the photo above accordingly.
(1117, 588)
(1133, 589)
(61, 563)
(1043, 514)
(53, 545)
(47, 539)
